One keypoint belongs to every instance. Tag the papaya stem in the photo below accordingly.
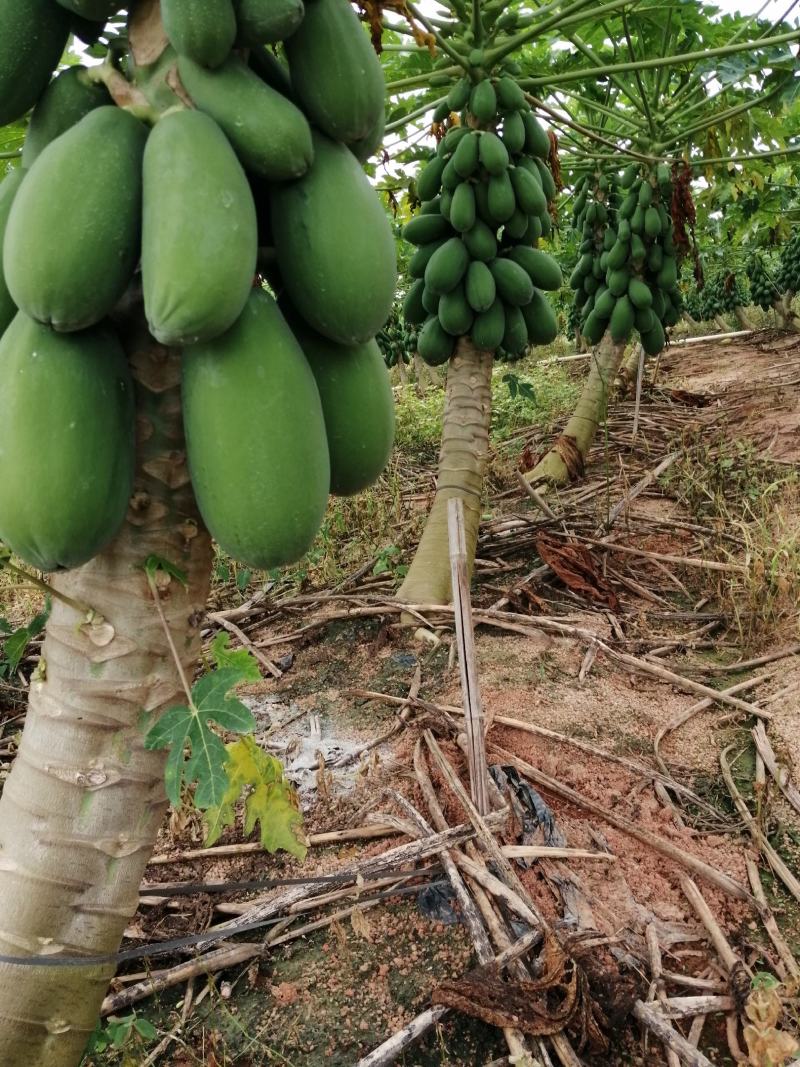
(417, 113)
(440, 41)
(39, 583)
(170, 640)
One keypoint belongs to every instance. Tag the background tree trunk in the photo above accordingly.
(462, 465)
(564, 462)
(786, 314)
(83, 803)
(629, 368)
(742, 319)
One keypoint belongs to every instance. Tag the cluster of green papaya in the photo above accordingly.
(627, 276)
(787, 277)
(229, 156)
(398, 339)
(763, 290)
(484, 205)
(722, 293)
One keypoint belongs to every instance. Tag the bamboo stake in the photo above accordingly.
(654, 1021)
(770, 925)
(465, 641)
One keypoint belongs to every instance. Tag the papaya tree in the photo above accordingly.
(607, 101)
(154, 393)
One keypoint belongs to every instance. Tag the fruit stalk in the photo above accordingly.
(564, 463)
(462, 465)
(83, 803)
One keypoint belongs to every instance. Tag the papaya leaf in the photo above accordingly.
(184, 725)
(271, 800)
(224, 656)
(16, 641)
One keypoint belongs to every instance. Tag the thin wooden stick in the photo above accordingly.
(331, 837)
(465, 641)
(657, 988)
(759, 661)
(780, 774)
(664, 557)
(776, 863)
(241, 636)
(688, 1007)
(654, 1021)
(551, 852)
(770, 925)
(638, 404)
(728, 957)
(658, 844)
(536, 497)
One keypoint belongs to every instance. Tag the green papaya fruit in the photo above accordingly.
(424, 228)
(510, 96)
(628, 207)
(548, 184)
(542, 269)
(462, 208)
(430, 300)
(536, 140)
(637, 220)
(458, 97)
(454, 312)
(335, 245)
(203, 30)
(431, 207)
(645, 194)
(68, 97)
(540, 320)
(434, 344)
(8, 191)
(617, 281)
(262, 22)
(516, 227)
(68, 258)
(196, 277)
(492, 153)
(255, 438)
(413, 308)
(644, 319)
(447, 266)
(515, 335)
(528, 192)
(480, 286)
(419, 261)
(67, 442)
(451, 179)
(629, 175)
(483, 101)
(514, 132)
(429, 181)
(659, 303)
(638, 250)
(654, 340)
(655, 258)
(480, 241)
(269, 134)
(502, 201)
(465, 156)
(639, 293)
(453, 138)
(667, 276)
(513, 282)
(336, 75)
(489, 327)
(594, 327)
(33, 35)
(604, 302)
(652, 222)
(621, 321)
(358, 406)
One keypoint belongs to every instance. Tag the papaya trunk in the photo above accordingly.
(693, 323)
(789, 320)
(462, 465)
(721, 324)
(742, 319)
(83, 802)
(565, 461)
(629, 368)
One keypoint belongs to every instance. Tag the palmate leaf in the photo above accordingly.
(272, 800)
(181, 725)
(244, 661)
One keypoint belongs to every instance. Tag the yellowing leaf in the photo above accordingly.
(271, 800)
